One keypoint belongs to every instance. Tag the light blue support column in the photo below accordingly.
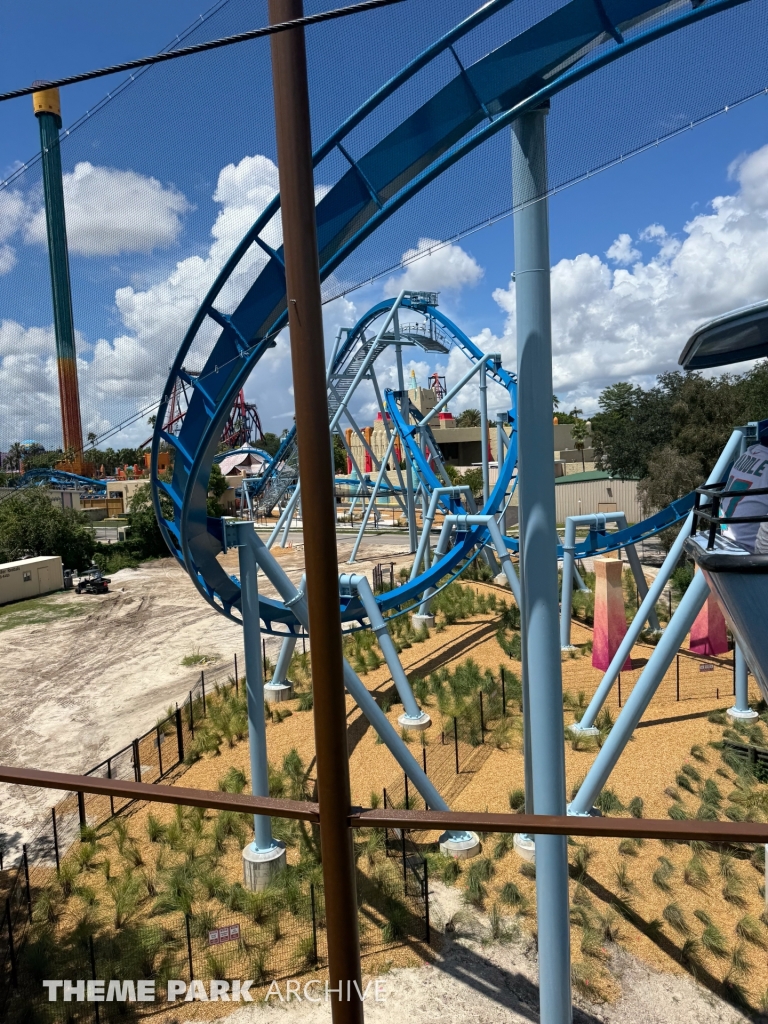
(566, 599)
(404, 410)
(413, 717)
(741, 708)
(654, 592)
(265, 855)
(280, 687)
(538, 555)
(640, 697)
(640, 581)
(484, 431)
(457, 844)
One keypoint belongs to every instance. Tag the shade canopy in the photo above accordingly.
(732, 338)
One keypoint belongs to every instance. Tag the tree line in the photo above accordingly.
(670, 436)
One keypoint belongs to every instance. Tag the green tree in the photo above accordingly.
(468, 418)
(269, 443)
(670, 476)
(217, 485)
(339, 455)
(473, 478)
(146, 540)
(31, 524)
(13, 456)
(580, 433)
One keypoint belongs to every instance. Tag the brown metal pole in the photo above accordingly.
(297, 202)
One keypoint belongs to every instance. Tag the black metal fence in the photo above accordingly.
(282, 936)
(154, 757)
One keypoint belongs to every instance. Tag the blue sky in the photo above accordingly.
(642, 299)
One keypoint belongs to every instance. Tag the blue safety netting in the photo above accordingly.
(165, 176)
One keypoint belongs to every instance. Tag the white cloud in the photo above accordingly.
(28, 383)
(432, 266)
(111, 211)
(13, 211)
(618, 324)
(7, 259)
(622, 251)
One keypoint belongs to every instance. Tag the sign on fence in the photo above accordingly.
(706, 667)
(229, 933)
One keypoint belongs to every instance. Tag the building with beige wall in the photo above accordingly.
(461, 446)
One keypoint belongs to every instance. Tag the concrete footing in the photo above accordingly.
(743, 716)
(423, 620)
(275, 693)
(460, 849)
(260, 865)
(418, 724)
(501, 580)
(583, 730)
(524, 847)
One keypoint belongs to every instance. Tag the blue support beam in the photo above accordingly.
(538, 560)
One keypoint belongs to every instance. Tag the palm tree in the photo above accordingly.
(469, 418)
(580, 433)
(14, 456)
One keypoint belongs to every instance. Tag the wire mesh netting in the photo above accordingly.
(164, 177)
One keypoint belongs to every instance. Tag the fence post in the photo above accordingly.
(202, 684)
(159, 750)
(456, 743)
(179, 734)
(619, 689)
(55, 838)
(407, 799)
(11, 948)
(482, 717)
(503, 695)
(81, 813)
(237, 688)
(189, 949)
(734, 671)
(426, 903)
(264, 657)
(386, 830)
(191, 716)
(93, 973)
(314, 918)
(424, 759)
(26, 879)
(405, 863)
(111, 797)
(677, 675)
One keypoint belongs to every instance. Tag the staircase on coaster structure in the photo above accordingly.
(280, 482)
(277, 484)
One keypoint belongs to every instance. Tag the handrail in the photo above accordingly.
(364, 817)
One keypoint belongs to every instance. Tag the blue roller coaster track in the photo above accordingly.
(481, 100)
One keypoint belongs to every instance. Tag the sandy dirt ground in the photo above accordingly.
(480, 981)
(76, 689)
